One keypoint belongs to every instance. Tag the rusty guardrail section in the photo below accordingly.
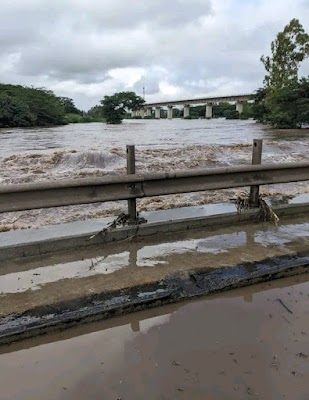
(133, 186)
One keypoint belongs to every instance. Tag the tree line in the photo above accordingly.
(22, 106)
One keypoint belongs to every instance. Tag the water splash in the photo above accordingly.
(90, 160)
(180, 145)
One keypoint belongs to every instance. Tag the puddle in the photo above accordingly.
(301, 198)
(215, 245)
(36, 278)
(147, 256)
(236, 345)
(252, 244)
(282, 235)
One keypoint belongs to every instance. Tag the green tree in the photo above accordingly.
(288, 50)
(24, 106)
(259, 106)
(287, 107)
(46, 107)
(220, 110)
(303, 101)
(282, 107)
(197, 112)
(96, 112)
(231, 114)
(69, 106)
(114, 107)
(283, 101)
(14, 112)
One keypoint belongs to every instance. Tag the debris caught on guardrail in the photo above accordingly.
(266, 213)
(9, 225)
(242, 202)
(121, 220)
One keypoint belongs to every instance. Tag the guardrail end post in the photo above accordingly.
(256, 159)
(131, 170)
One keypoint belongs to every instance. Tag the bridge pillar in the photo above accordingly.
(240, 107)
(186, 111)
(149, 112)
(158, 112)
(170, 112)
(209, 110)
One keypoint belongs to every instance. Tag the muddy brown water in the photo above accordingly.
(250, 343)
(87, 150)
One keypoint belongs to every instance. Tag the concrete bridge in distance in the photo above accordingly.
(239, 100)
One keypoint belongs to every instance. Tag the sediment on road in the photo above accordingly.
(45, 292)
(86, 234)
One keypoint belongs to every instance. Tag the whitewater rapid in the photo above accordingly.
(95, 159)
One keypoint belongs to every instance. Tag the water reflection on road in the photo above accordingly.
(239, 345)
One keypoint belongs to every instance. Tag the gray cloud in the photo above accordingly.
(159, 13)
(86, 49)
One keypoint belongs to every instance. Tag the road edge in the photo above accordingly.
(173, 288)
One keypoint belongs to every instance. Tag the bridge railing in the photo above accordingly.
(133, 186)
(203, 100)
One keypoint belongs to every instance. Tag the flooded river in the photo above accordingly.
(250, 343)
(83, 150)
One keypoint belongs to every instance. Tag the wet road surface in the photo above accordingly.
(250, 343)
(50, 279)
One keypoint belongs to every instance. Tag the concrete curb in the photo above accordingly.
(42, 320)
(40, 246)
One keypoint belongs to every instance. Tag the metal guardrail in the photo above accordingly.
(133, 186)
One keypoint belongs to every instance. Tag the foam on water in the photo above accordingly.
(161, 146)
(89, 160)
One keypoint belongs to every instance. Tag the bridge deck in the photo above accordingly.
(203, 100)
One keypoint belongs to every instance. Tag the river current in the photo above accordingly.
(83, 150)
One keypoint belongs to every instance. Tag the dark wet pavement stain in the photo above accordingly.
(250, 343)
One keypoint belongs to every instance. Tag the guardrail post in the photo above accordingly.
(256, 159)
(131, 170)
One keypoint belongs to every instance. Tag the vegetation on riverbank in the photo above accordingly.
(283, 102)
(25, 107)
(114, 108)
(80, 119)
(22, 106)
(221, 110)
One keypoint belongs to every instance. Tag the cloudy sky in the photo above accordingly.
(85, 49)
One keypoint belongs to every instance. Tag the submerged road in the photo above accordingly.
(250, 343)
(40, 281)
(43, 293)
